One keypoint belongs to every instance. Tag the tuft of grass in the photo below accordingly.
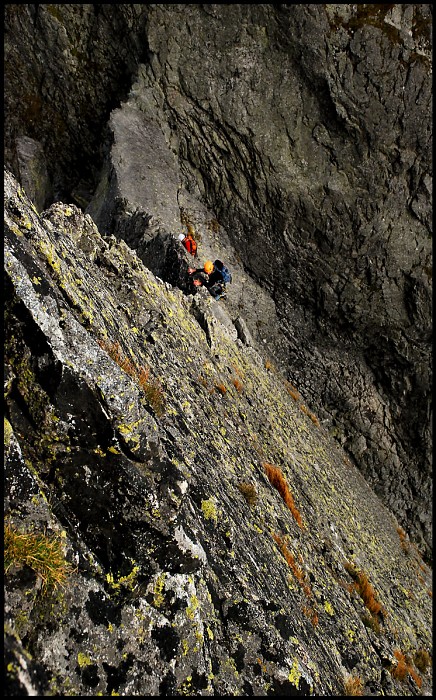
(203, 381)
(292, 391)
(364, 589)
(296, 570)
(277, 479)
(221, 388)
(141, 375)
(249, 492)
(155, 396)
(237, 384)
(422, 660)
(44, 554)
(152, 390)
(237, 370)
(403, 668)
(114, 351)
(311, 614)
(416, 677)
(353, 686)
(405, 545)
(372, 622)
(400, 670)
(410, 548)
(311, 415)
(213, 225)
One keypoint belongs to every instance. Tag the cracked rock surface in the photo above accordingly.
(139, 417)
(132, 431)
(298, 141)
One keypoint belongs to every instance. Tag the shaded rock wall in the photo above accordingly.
(67, 67)
(305, 133)
(135, 421)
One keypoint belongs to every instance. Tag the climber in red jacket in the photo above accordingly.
(189, 241)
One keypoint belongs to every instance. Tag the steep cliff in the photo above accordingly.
(178, 522)
(297, 139)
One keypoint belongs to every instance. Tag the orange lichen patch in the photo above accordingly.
(277, 479)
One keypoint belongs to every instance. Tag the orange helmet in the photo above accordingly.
(208, 266)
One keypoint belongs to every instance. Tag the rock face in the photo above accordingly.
(297, 140)
(217, 540)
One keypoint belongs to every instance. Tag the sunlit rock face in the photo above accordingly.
(212, 538)
(298, 142)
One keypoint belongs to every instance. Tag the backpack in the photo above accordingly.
(225, 272)
(218, 289)
(190, 245)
